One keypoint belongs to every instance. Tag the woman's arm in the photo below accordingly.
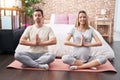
(96, 43)
(68, 42)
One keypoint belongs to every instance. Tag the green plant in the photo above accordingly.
(29, 5)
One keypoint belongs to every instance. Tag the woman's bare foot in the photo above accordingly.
(78, 67)
(73, 67)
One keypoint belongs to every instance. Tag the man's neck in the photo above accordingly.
(38, 25)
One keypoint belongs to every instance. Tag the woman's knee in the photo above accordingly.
(102, 60)
(67, 59)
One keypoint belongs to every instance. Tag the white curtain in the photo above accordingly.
(117, 16)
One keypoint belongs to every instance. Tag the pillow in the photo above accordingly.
(72, 18)
(61, 19)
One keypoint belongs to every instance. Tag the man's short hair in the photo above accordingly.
(38, 9)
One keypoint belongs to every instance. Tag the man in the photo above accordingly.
(37, 37)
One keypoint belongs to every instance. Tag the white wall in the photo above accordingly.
(117, 16)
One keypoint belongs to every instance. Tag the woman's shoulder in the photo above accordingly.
(90, 29)
(73, 28)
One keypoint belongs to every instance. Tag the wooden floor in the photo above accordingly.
(13, 74)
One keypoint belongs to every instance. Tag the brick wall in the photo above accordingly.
(92, 7)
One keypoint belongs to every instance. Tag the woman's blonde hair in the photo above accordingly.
(77, 20)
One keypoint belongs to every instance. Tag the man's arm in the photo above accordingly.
(51, 41)
(37, 42)
(24, 41)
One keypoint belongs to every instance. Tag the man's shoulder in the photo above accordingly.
(29, 27)
(47, 27)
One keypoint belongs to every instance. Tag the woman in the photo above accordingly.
(82, 36)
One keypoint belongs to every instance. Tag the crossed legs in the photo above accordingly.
(77, 64)
(35, 60)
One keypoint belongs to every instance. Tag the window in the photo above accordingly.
(10, 14)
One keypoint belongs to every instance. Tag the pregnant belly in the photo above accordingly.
(82, 53)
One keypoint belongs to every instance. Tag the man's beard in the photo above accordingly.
(38, 20)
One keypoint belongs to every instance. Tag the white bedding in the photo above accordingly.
(60, 49)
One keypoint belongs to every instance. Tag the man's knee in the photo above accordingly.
(51, 57)
(18, 55)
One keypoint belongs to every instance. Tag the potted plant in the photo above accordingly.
(28, 6)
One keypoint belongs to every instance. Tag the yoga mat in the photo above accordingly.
(60, 66)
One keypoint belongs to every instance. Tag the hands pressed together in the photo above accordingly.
(38, 40)
(82, 43)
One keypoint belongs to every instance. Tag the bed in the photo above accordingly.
(60, 49)
(61, 29)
